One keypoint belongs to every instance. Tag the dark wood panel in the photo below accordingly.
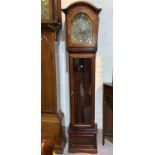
(92, 12)
(82, 140)
(48, 73)
(107, 111)
(86, 140)
(52, 120)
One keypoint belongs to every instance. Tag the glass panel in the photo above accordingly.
(45, 9)
(81, 29)
(82, 90)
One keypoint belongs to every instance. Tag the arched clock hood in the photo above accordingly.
(79, 3)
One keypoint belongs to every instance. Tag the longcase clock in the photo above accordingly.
(81, 42)
(52, 118)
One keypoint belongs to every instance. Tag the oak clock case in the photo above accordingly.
(81, 43)
(51, 11)
(52, 119)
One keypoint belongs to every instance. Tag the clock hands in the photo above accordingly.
(82, 31)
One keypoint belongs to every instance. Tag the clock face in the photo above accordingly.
(45, 9)
(81, 32)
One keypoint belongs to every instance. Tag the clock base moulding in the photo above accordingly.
(82, 140)
(52, 129)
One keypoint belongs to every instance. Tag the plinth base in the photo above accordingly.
(82, 140)
(52, 129)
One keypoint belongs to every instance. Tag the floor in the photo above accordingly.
(106, 149)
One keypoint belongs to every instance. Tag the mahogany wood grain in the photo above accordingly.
(52, 129)
(107, 111)
(92, 12)
(82, 140)
(52, 119)
(48, 73)
(82, 130)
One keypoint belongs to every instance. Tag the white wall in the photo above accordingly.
(103, 59)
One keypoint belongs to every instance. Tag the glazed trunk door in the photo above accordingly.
(82, 91)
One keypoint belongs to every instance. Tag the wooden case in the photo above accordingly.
(92, 12)
(82, 46)
(52, 119)
(108, 111)
(82, 140)
(82, 129)
(48, 72)
(52, 129)
(50, 11)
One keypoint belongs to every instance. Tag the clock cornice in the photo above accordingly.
(79, 3)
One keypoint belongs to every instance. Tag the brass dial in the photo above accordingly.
(81, 29)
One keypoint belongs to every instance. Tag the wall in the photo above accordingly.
(103, 59)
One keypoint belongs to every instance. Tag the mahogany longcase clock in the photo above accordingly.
(81, 37)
